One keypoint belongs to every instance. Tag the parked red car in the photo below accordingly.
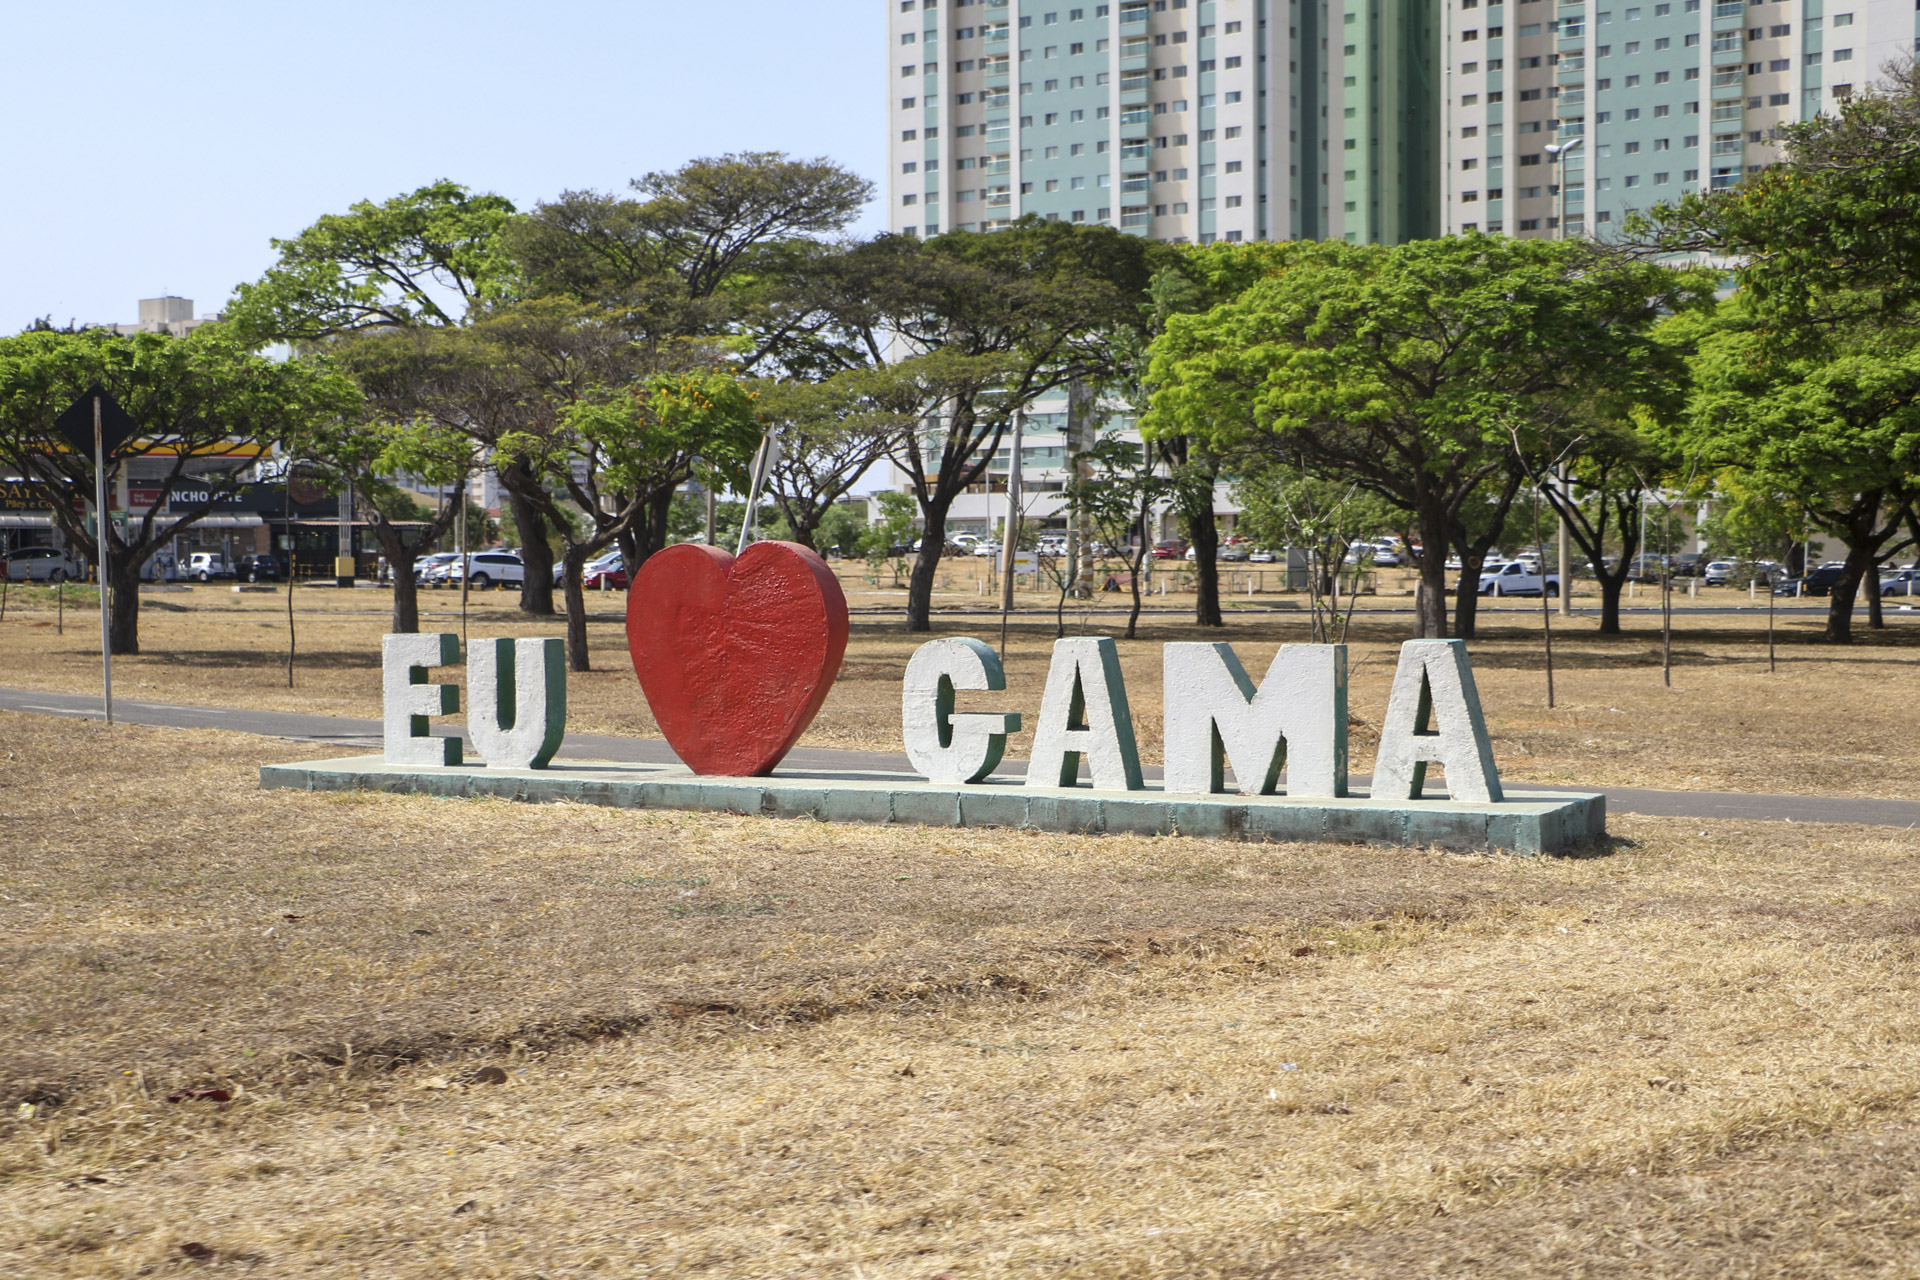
(1170, 549)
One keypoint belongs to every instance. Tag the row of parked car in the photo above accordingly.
(52, 564)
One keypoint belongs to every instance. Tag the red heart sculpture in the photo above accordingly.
(736, 655)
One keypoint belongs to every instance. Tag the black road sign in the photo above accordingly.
(76, 422)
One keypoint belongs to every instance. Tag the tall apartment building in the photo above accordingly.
(1589, 109)
(1185, 120)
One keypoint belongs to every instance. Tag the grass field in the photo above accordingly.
(420, 1038)
(1830, 721)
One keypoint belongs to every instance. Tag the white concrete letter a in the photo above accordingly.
(1084, 712)
(1435, 683)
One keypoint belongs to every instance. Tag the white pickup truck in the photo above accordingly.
(1516, 578)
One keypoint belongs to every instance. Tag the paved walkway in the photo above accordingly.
(341, 731)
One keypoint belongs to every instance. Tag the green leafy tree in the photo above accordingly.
(1835, 423)
(1289, 506)
(706, 249)
(206, 407)
(1117, 494)
(425, 258)
(1408, 370)
(893, 530)
(1832, 232)
(987, 324)
(831, 433)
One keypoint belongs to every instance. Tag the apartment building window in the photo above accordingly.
(1842, 19)
(1233, 236)
(1233, 166)
(1661, 110)
(1233, 96)
(908, 135)
(906, 37)
(909, 167)
(1232, 131)
(1470, 164)
(1813, 59)
(1633, 46)
(1469, 197)
(1662, 77)
(1632, 82)
(1529, 224)
(909, 199)
(1662, 43)
(1466, 100)
(1839, 55)
(1779, 99)
(1232, 63)
(1076, 48)
(906, 72)
(1601, 85)
(907, 104)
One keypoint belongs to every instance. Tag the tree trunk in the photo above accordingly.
(1846, 589)
(1431, 601)
(406, 596)
(123, 604)
(1133, 619)
(536, 588)
(933, 540)
(1203, 532)
(576, 597)
(1610, 600)
(1466, 595)
(1875, 621)
(649, 533)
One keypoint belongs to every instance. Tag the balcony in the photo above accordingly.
(1134, 184)
(999, 99)
(996, 167)
(1136, 115)
(1130, 13)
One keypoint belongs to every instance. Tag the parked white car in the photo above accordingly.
(40, 564)
(205, 566)
(1517, 578)
(490, 568)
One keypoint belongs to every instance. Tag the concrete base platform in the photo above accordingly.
(1526, 822)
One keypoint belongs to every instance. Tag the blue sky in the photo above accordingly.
(158, 147)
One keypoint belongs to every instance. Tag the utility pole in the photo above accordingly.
(103, 535)
(1010, 543)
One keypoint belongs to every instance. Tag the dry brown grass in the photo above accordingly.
(1825, 724)
(907, 1053)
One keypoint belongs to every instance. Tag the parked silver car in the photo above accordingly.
(40, 564)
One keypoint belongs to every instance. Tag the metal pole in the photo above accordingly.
(1566, 548)
(465, 564)
(763, 462)
(710, 511)
(101, 536)
(1010, 543)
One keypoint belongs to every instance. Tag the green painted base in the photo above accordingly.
(1525, 822)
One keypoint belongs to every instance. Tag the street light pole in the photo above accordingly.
(1558, 152)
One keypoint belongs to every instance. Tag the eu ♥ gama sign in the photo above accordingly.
(737, 654)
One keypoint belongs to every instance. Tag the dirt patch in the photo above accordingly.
(596, 1042)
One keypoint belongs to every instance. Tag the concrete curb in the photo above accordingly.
(1528, 822)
